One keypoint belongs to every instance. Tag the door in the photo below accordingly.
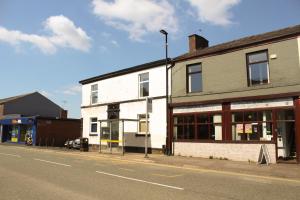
(286, 147)
(113, 112)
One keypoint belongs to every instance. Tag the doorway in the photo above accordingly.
(113, 112)
(286, 145)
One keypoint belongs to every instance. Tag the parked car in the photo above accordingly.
(76, 143)
(73, 144)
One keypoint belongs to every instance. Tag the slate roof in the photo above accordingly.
(292, 31)
(2, 101)
(124, 71)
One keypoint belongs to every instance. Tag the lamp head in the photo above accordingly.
(163, 32)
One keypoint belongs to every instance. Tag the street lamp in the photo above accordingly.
(165, 33)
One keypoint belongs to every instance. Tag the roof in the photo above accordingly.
(243, 42)
(124, 71)
(2, 101)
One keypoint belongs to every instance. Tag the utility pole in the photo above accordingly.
(147, 129)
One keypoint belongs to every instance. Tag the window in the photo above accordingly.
(258, 69)
(194, 78)
(144, 85)
(94, 93)
(94, 124)
(143, 124)
(252, 125)
(204, 126)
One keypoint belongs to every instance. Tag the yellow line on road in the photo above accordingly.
(8, 154)
(126, 169)
(168, 176)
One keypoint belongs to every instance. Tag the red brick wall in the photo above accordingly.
(54, 132)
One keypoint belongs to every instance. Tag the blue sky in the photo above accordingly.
(49, 45)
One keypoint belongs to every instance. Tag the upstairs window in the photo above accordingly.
(144, 85)
(258, 69)
(194, 78)
(94, 93)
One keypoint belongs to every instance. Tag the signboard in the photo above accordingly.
(239, 128)
(248, 128)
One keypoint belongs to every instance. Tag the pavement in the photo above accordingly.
(54, 173)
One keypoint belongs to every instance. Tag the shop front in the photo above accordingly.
(237, 130)
(17, 130)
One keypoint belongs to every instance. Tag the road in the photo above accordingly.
(33, 174)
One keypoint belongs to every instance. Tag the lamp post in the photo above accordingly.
(165, 33)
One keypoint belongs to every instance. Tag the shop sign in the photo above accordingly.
(248, 128)
(13, 139)
(239, 128)
(16, 121)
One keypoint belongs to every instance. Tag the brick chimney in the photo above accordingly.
(197, 42)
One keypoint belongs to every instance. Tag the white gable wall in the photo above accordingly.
(126, 88)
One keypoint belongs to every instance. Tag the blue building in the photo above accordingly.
(35, 116)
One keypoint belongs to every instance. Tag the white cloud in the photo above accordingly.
(137, 17)
(216, 12)
(72, 90)
(115, 43)
(63, 33)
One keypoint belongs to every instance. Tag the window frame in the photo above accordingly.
(190, 73)
(195, 124)
(248, 66)
(93, 123)
(94, 92)
(247, 136)
(140, 119)
(142, 82)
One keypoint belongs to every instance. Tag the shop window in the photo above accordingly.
(198, 127)
(144, 85)
(194, 78)
(93, 124)
(258, 69)
(254, 126)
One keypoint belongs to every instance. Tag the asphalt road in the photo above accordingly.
(33, 174)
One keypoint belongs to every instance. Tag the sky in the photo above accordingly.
(50, 45)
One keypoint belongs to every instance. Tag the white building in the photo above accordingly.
(122, 95)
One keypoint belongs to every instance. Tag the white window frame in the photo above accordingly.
(92, 123)
(142, 82)
(94, 92)
(142, 118)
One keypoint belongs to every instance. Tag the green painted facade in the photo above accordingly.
(225, 75)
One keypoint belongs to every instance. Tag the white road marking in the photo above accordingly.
(53, 162)
(139, 180)
(7, 154)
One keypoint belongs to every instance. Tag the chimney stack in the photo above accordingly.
(197, 42)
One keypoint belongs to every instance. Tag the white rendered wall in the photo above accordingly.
(231, 151)
(126, 87)
(87, 114)
(157, 122)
